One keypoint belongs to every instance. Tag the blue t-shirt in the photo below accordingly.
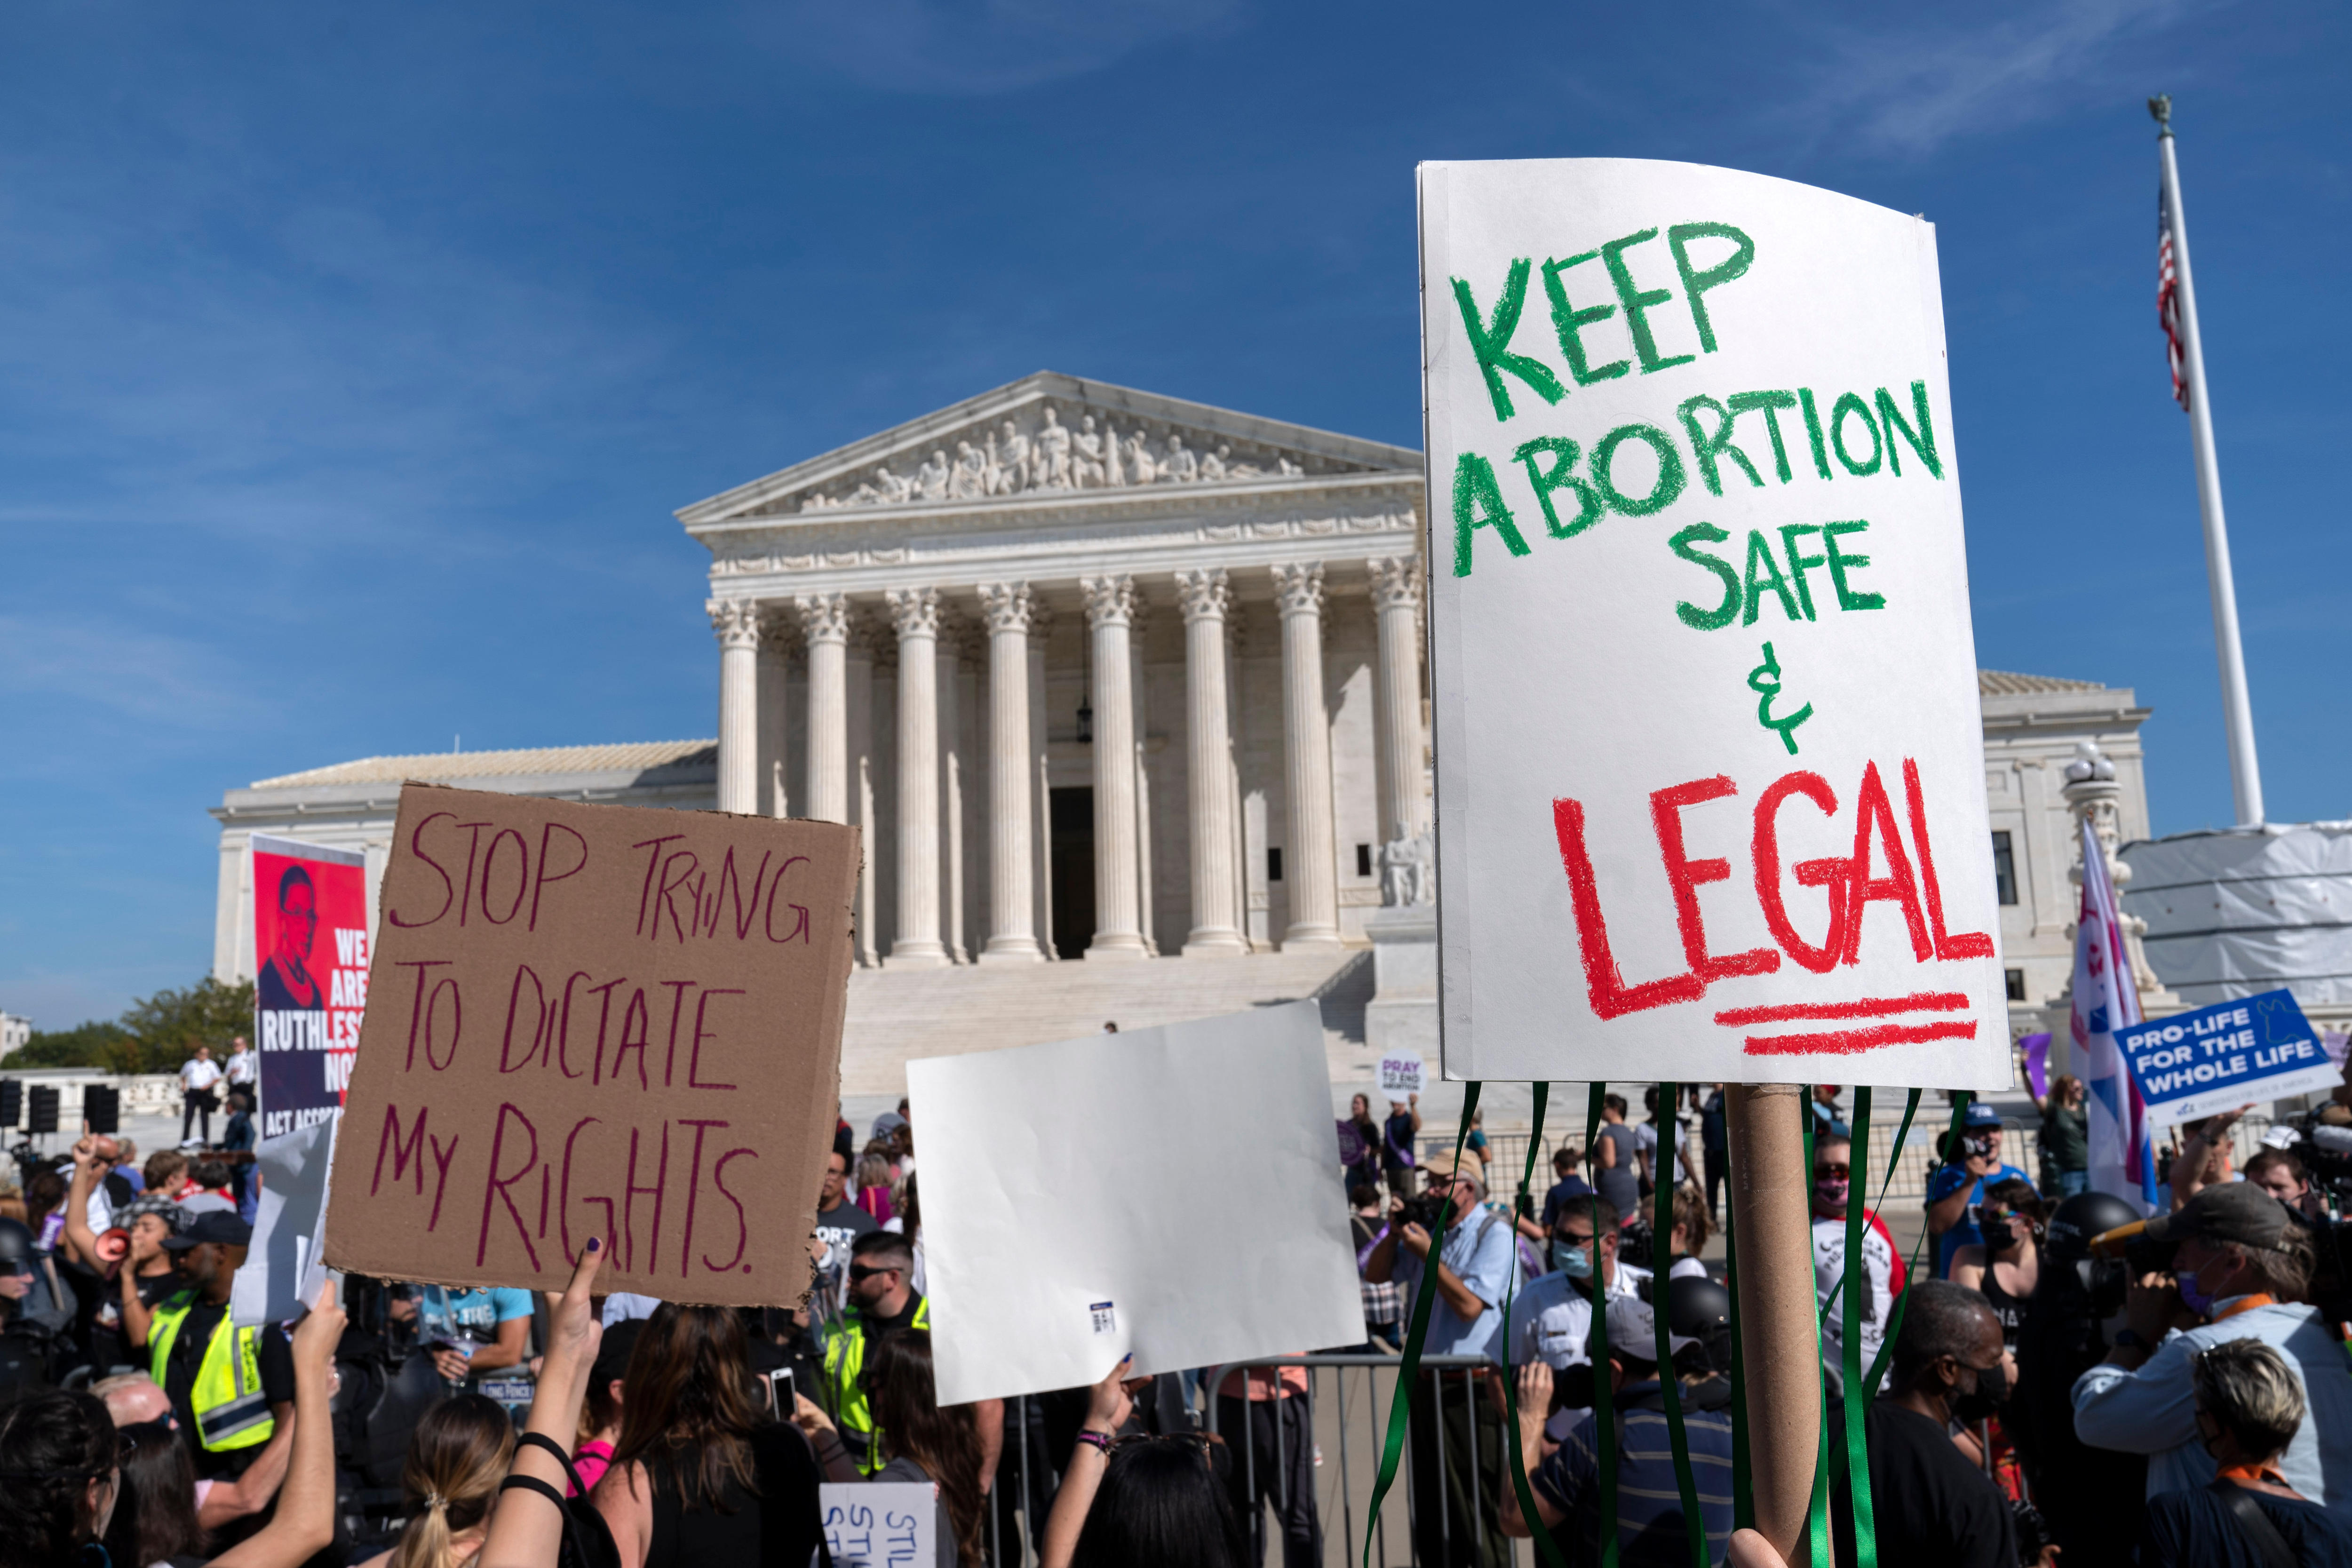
(1965, 1231)
(2198, 1527)
(452, 1312)
(1651, 1531)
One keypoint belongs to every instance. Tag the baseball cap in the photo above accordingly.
(1980, 1116)
(217, 1227)
(1441, 1165)
(889, 1122)
(2229, 1211)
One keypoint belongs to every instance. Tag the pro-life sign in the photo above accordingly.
(2218, 1059)
(1710, 780)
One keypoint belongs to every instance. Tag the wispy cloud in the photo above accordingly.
(993, 46)
(1909, 90)
(121, 667)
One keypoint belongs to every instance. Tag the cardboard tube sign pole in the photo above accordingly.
(1710, 773)
(596, 1021)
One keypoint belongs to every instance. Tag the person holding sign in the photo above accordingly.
(1475, 1265)
(1396, 1145)
(2241, 1270)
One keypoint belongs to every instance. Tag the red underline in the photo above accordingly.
(1841, 1042)
(1868, 1007)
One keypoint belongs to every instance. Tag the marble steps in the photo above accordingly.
(898, 1014)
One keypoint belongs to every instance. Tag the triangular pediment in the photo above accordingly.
(1048, 436)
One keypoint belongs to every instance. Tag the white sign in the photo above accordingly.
(2217, 1058)
(880, 1524)
(1710, 780)
(286, 1262)
(1401, 1075)
(1096, 1163)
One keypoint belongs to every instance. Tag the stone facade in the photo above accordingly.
(1102, 675)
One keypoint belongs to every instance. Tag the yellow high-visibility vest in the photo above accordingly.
(232, 1411)
(844, 1365)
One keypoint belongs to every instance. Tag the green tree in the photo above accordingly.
(163, 1030)
(90, 1044)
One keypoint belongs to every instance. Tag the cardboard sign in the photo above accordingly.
(1711, 784)
(597, 1021)
(1094, 1162)
(310, 939)
(1399, 1075)
(2218, 1059)
(880, 1524)
(286, 1262)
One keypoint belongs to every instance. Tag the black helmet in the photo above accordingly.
(2080, 1218)
(1700, 1310)
(17, 1253)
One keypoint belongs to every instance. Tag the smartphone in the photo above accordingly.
(782, 1396)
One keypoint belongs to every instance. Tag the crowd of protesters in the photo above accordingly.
(2170, 1393)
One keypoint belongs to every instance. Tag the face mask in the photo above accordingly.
(2192, 1293)
(1982, 1401)
(1576, 1262)
(1831, 1194)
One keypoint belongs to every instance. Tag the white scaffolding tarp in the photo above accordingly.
(2248, 909)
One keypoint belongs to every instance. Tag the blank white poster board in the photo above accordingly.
(1169, 1192)
(1710, 773)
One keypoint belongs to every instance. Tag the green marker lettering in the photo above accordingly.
(1771, 403)
(1814, 432)
(1759, 553)
(1708, 448)
(1922, 442)
(1636, 300)
(1671, 477)
(1492, 341)
(1479, 503)
(1697, 282)
(1799, 561)
(1568, 323)
(1557, 478)
(1841, 563)
(1850, 405)
(1685, 544)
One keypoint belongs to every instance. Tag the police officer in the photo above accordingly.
(880, 1299)
(232, 1388)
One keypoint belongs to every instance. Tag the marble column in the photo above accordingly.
(1396, 599)
(1111, 612)
(775, 798)
(1010, 894)
(1313, 871)
(737, 623)
(825, 626)
(1140, 718)
(1205, 596)
(859, 659)
(949, 663)
(916, 614)
(1041, 765)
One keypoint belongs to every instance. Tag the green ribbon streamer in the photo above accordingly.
(1544, 1543)
(1662, 1220)
(1857, 1402)
(1960, 1099)
(1605, 1398)
(1743, 1466)
(1817, 1511)
(1416, 1335)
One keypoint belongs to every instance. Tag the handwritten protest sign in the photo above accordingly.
(1399, 1074)
(596, 1021)
(1710, 778)
(1115, 1255)
(880, 1524)
(2217, 1058)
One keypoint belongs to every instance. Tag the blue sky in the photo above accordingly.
(352, 360)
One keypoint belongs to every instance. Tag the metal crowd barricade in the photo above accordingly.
(1347, 1412)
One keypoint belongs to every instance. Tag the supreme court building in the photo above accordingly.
(1104, 676)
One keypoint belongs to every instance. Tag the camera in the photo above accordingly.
(1426, 1210)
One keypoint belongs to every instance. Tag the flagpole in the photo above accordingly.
(2246, 773)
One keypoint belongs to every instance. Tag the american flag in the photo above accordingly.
(2167, 298)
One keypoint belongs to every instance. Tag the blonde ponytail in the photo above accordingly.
(459, 1454)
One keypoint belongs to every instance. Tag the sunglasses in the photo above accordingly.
(1833, 1172)
(860, 1271)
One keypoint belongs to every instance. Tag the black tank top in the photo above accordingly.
(2008, 1309)
(778, 1527)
